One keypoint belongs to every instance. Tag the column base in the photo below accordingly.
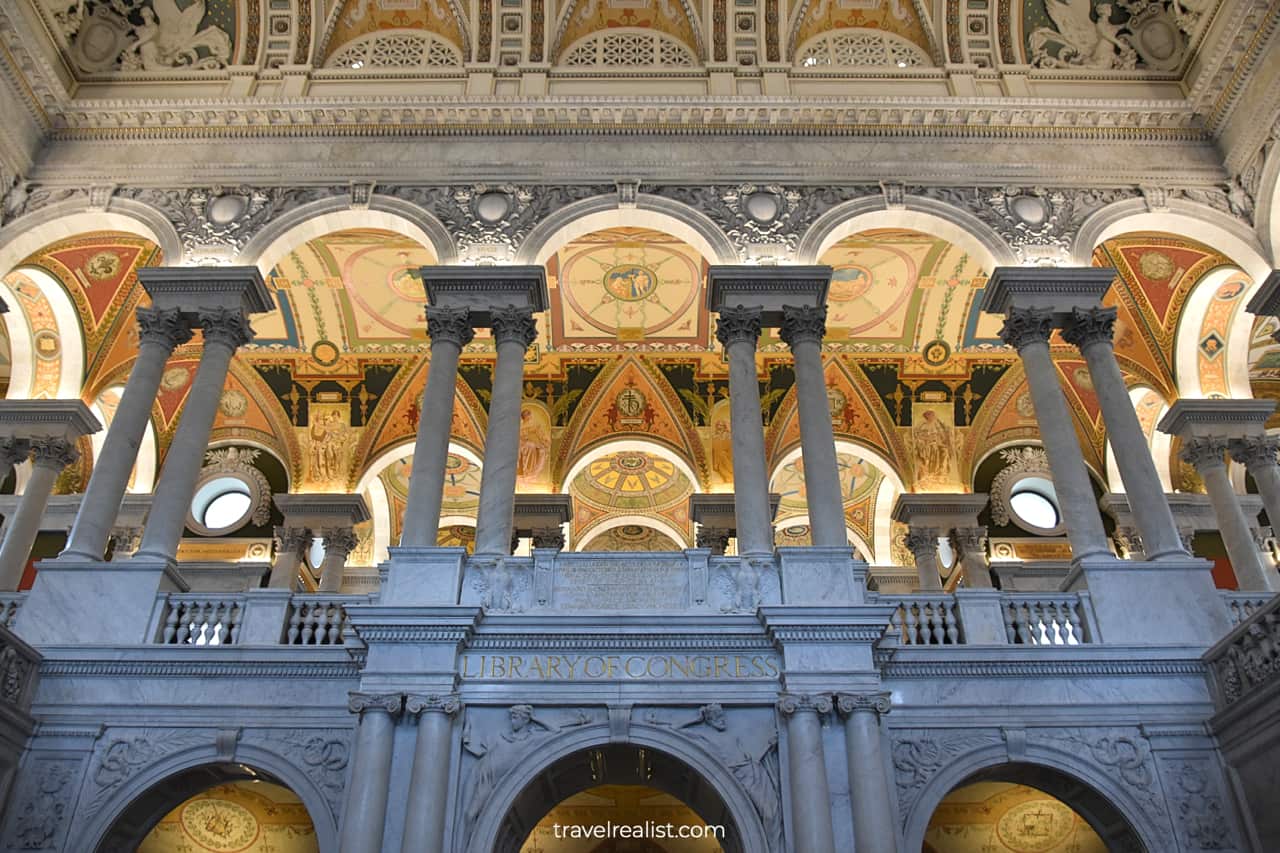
(1141, 602)
(95, 602)
(415, 577)
(822, 575)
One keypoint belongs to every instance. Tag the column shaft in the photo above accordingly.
(1258, 454)
(873, 829)
(225, 331)
(22, 530)
(1206, 455)
(971, 542)
(429, 781)
(514, 330)
(738, 330)
(289, 544)
(364, 814)
(338, 544)
(450, 331)
(810, 800)
(922, 542)
(1268, 479)
(1028, 331)
(1091, 331)
(803, 329)
(161, 331)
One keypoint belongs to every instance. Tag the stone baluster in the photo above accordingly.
(738, 330)
(429, 779)
(869, 786)
(1206, 455)
(291, 545)
(971, 543)
(922, 542)
(513, 330)
(810, 801)
(803, 329)
(339, 542)
(364, 814)
(1258, 455)
(1027, 330)
(49, 457)
(160, 331)
(450, 330)
(1091, 330)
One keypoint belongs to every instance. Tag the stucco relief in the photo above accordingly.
(322, 754)
(39, 810)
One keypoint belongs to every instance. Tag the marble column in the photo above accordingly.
(1258, 455)
(225, 331)
(339, 542)
(291, 544)
(160, 331)
(1027, 330)
(1091, 330)
(810, 800)
(429, 779)
(922, 542)
(971, 543)
(738, 330)
(1206, 455)
(513, 330)
(803, 328)
(450, 330)
(49, 456)
(364, 812)
(869, 785)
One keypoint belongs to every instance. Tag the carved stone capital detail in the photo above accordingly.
(803, 323)
(1255, 452)
(922, 541)
(434, 703)
(1090, 326)
(14, 451)
(1204, 452)
(794, 703)
(1025, 326)
(292, 540)
(970, 540)
(54, 453)
(715, 538)
(226, 326)
(514, 324)
(849, 703)
(451, 325)
(165, 326)
(737, 325)
(390, 703)
(548, 537)
(341, 540)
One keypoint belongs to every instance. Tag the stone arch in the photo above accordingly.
(71, 338)
(926, 215)
(1267, 206)
(709, 768)
(666, 529)
(854, 539)
(1098, 477)
(604, 211)
(1186, 339)
(328, 215)
(630, 445)
(1088, 788)
(28, 234)
(134, 792)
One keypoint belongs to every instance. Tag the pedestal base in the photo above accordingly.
(418, 577)
(1153, 602)
(822, 576)
(94, 602)
(981, 617)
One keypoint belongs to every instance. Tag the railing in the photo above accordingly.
(318, 620)
(1033, 619)
(925, 620)
(10, 604)
(201, 619)
(1241, 605)
(1248, 657)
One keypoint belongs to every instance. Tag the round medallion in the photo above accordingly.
(630, 403)
(226, 209)
(796, 531)
(1035, 826)
(630, 282)
(1156, 266)
(836, 401)
(233, 403)
(100, 41)
(47, 344)
(632, 463)
(325, 353)
(219, 825)
(174, 378)
(848, 283)
(102, 266)
(1031, 210)
(936, 353)
(1025, 406)
(492, 206)
(762, 206)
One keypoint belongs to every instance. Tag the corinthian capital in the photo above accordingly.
(164, 326)
(225, 326)
(1256, 452)
(451, 325)
(292, 540)
(922, 541)
(1204, 452)
(795, 703)
(803, 323)
(514, 324)
(849, 703)
(1025, 326)
(13, 451)
(419, 703)
(1090, 326)
(738, 324)
(54, 453)
(390, 703)
(339, 540)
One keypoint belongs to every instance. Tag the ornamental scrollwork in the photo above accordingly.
(737, 325)
(803, 323)
(1090, 326)
(514, 325)
(239, 462)
(226, 326)
(1204, 452)
(452, 325)
(165, 326)
(1018, 462)
(1024, 327)
(918, 756)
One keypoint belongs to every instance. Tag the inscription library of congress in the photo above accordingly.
(639, 426)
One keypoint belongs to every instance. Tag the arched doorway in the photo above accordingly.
(1027, 808)
(619, 784)
(214, 807)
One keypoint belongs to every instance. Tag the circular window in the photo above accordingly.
(315, 553)
(222, 505)
(1034, 505)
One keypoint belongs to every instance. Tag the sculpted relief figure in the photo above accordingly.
(143, 35)
(1081, 40)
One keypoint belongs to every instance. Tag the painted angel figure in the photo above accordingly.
(170, 37)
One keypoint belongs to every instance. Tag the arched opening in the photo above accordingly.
(670, 807)
(215, 807)
(1018, 807)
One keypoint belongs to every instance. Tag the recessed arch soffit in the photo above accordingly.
(860, 481)
(1264, 363)
(907, 19)
(675, 18)
(632, 485)
(353, 21)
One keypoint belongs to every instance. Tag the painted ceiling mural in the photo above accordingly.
(859, 482)
(356, 19)
(899, 17)
(1001, 817)
(581, 18)
(240, 817)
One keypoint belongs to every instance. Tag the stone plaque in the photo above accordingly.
(621, 582)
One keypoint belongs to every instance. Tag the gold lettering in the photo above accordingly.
(572, 663)
(665, 667)
(514, 665)
(612, 663)
(537, 667)
(757, 668)
(772, 665)
(553, 665)
(737, 667)
(722, 664)
(705, 670)
(586, 667)
(466, 667)
(498, 666)
(627, 667)
(680, 664)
